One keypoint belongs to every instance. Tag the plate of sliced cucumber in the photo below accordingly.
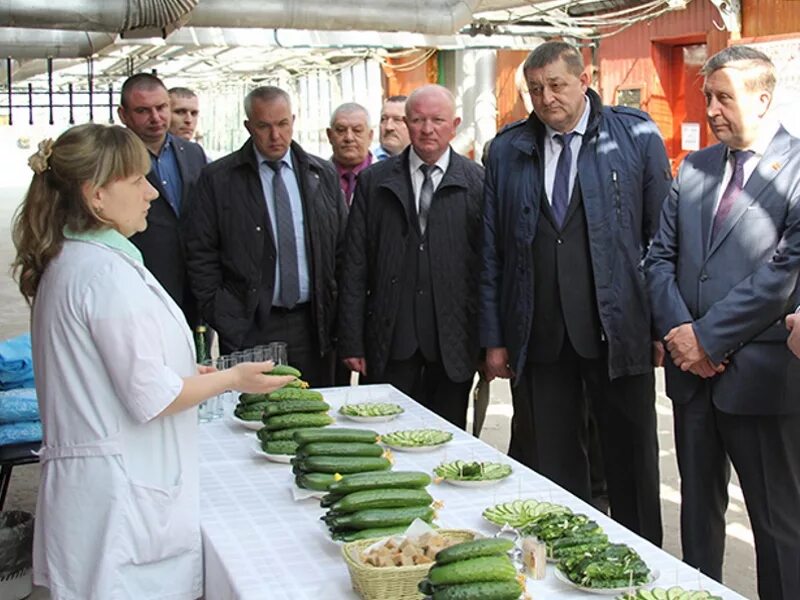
(673, 593)
(416, 440)
(520, 512)
(371, 412)
(472, 474)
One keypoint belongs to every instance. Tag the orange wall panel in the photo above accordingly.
(399, 80)
(510, 106)
(770, 17)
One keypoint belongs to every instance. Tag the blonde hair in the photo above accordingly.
(90, 153)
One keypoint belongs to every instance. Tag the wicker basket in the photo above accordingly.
(391, 583)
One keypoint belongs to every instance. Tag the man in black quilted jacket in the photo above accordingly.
(264, 241)
(408, 302)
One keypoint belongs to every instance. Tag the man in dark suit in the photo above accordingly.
(264, 241)
(175, 166)
(408, 306)
(572, 200)
(722, 272)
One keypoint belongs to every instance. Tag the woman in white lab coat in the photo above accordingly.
(117, 512)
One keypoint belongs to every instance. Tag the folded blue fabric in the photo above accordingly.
(20, 433)
(16, 363)
(18, 405)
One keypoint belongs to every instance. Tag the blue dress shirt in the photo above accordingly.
(165, 166)
(290, 181)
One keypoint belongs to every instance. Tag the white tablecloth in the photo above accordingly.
(259, 543)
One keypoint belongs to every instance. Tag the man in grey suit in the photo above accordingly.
(721, 274)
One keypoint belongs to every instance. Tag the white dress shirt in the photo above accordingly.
(414, 163)
(552, 150)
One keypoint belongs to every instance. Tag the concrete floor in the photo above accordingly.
(739, 561)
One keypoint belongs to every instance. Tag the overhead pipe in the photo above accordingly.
(49, 43)
(422, 16)
(89, 15)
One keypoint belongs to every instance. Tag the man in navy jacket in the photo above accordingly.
(572, 199)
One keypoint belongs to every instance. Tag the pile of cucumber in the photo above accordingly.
(566, 534)
(476, 570)
(251, 406)
(323, 454)
(378, 504)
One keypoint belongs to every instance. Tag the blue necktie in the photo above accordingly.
(560, 199)
(287, 245)
(732, 190)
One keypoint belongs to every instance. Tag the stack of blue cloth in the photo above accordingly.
(19, 410)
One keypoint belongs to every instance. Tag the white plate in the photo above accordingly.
(254, 425)
(480, 483)
(277, 458)
(380, 419)
(607, 591)
(413, 448)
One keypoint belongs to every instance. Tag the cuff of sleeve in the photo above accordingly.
(151, 397)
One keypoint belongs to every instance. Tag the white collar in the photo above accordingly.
(414, 161)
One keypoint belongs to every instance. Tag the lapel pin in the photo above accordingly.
(776, 166)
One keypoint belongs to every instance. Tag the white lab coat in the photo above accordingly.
(117, 515)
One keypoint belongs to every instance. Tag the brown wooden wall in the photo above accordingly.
(643, 56)
(770, 17)
(510, 106)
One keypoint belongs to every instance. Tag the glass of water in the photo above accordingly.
(278, 350)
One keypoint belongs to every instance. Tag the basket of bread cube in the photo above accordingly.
(392, 568)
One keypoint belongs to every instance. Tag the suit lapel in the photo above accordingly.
(709, 194)
(183, 170)
(766, 170)
(400, 185)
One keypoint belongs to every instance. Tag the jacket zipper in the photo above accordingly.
(617, 198)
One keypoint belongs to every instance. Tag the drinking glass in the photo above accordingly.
(278, 350)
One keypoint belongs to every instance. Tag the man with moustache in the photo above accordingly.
(572, 200)
(175, 166)
(350, 136)
(408, 304)
(264, 241)
(722, 272)
(393, 132)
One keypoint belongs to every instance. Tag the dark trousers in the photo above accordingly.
(549, 434)
(296, 328)
(427, 383)
(765, 451)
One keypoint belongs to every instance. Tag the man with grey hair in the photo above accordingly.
(572, 199)
(264, 241)
(722, 272)
(350, 135)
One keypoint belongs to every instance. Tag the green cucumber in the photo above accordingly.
(279, 434)
(284, 407)
(284, 370)
(294, 394)
(380, 517)
(367, 534)
(315, 481)
(294, 420)
(337, 434)
(385, 480)
(381, 499)
(344, 464)
(340, 449)
(252, 398)
(484, 568)
(483, 590)
(279, 447)
(474, 549)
